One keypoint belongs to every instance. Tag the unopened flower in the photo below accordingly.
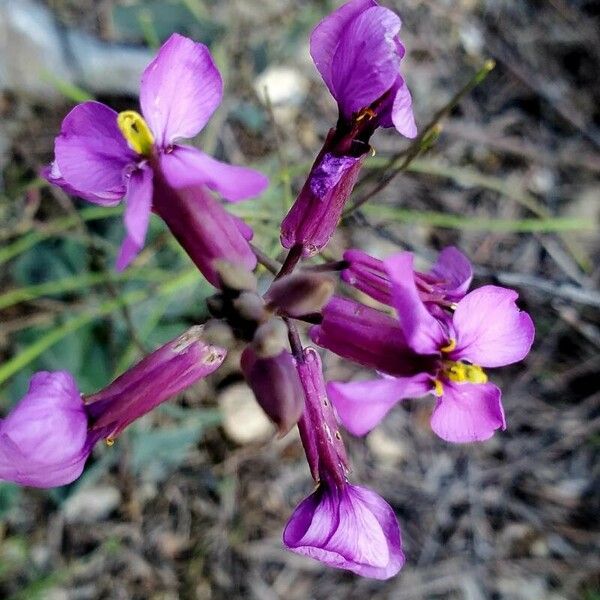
(104, 157)
(446, 282)
(47, 437)
(300, 293)
(442, 353)
(358, 51)
(276, 386)
(342, 525)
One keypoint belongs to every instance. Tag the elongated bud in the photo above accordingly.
(300, 293)
(276, 385)
(156, 378)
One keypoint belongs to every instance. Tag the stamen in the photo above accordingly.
(459, 372)
(109, 441)
(438, 389)
(450, 346)
(136, 131)
(365, 113)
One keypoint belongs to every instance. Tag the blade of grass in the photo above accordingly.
(76, 282)
(449, 221)
(27, 241)
(29, 354)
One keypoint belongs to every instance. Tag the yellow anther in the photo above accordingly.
(365, 113)
(450, 346)
(109, 441)
(136, 131)
(438, 389)
(460, 372)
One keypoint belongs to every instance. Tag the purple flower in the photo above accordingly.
(342, 525)
(44, 440)
(348, 527)
(422, 353)
(358, 52)
(445, 283)
(104, 157)
(47, 437)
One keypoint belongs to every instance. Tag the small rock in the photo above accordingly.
(244, 421)
(35, 49)
(284, 86)
(91, 504)
(388, 449)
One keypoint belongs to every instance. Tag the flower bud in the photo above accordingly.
(156, 378)
(276, 385)
(44, 440)
(270, 338)
(300, 293)
(235, 277)
(251, 307)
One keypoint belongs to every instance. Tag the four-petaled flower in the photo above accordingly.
(426, 352)
(104, 157)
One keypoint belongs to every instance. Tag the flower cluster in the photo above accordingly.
(430, 334)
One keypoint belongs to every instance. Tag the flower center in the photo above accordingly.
(460, 372)
(136, 131)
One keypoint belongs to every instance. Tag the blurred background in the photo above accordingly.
(191, 501)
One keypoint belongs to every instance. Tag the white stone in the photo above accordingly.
(244, 421)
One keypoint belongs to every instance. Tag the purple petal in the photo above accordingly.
(369, 337)
(402, 112)
(491, 331)
(368, 275)
(91, 153)
(365, 64)
(453, 273)
(51, 173)
(205, 230)
(468, 412)
(326, 36)
(423, 331)
(315, 214)
(181, 88)
(44, 439)
(362, 405)
(137, 215)
(351, 528)
(186, 167)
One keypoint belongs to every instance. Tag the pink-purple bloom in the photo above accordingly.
(358, 52)
(342, 525)
(426, 351)
(44, 440)
(105, 157)
(47, 437)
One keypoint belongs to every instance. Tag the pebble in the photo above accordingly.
(91, 504)
(244, 422)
